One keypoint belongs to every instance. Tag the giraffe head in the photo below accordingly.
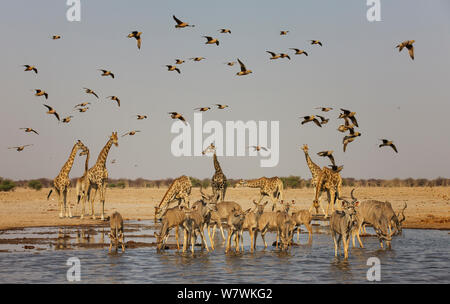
(80, 145)
(211, 148)
(305, 148)
(114, 139)
(85, 150)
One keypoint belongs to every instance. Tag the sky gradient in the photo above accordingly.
(358, 68)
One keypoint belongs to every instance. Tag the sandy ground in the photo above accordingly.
(427, 207)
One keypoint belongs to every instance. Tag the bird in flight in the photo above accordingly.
(181, 24)
(230, 63)
(299, 52)
(282, 33)
(68, 118)
(328, 154)
(137, 35)
(83, 104)
(211, 40)
(107, 73)
(56, 37)
(197, 58)
(179, 61)
(19, 148)
(310, 118)
(89, 91)
(409, 45)
(224, 31)
(141, 117)
(176, 115)
(323, 120)
(244, 70)
(274, 55)
(82, 110)
(316, 42)
(350, 115)
(336, 168)
(282, 55)
(131, 133)
(40, 92)
(51, 111)
(324, 109)
(258, 148)
(29, 130)
(173, 68)
(204, 109)
(115, 98)
(220, 106)
(30, 68)
(347, 140)
(388, 143)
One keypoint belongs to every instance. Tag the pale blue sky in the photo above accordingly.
(357, 68)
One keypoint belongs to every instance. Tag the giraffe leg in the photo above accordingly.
(92, 203)
(102, 198)
(60, 202)
(66, 206)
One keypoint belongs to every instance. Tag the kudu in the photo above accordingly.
(342, 223)
(235, 222)
(172, 218)
(268, 222)
(251, 223)
(304, 217)
(116, 233)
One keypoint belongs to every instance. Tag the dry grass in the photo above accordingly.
(427, 207)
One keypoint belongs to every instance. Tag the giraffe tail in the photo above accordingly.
(50, 193)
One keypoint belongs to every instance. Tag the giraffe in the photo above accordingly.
(61, 183)
(96, 177)
(315, 172)
(80, 190)
(179, 190)
(219, 180)
(331, 182)
(271, 187)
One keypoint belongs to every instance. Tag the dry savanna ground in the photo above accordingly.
(427, 207)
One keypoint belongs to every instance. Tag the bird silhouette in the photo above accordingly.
(388, 143)
(137, 35)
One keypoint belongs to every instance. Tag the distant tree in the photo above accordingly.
(35, 184)
(7, 185)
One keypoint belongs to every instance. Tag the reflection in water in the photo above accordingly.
(417, 256)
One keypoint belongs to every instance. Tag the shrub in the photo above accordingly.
(7, 185)
(35, 184)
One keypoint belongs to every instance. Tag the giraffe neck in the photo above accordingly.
(216, 164)
(312, 166)
(86, 164)
(69, 163)
(254, 183)
(101, 160)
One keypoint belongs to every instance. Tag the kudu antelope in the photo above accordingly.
(221, 215)
(251, 223)
(342, 223)
(116, 234)
(172, 218)
(302, 217)
(268, 222)
(235, 223)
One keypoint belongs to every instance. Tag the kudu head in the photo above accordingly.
(349, 208)
(259, 207)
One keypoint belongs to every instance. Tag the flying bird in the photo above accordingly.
(173, 68)
(409, 45)
(137, 35)
(274, 55)
(324, 109)
(307, 119)
(51, 111)
(204, 109)
(67, 119)
(197, 58)
(323, 120)
(115, 98)
(223, 31)
(316, 42)
(282, 33)
(299, 52)
(388, 143)
(220, 106)
(19, 148)
(82, 110)
(230, 63)
(40, 92)
(107, 73)
(176, 115)
(244, 70)
(131, 133)
(328, 154)
(82, 104)
(30, 68)
(211, 40)
(258, 148)
(141, 117)
(336, 168)
(282, 55)
(350, 115)
(89, 91)
(181, 24)
(179, 61)
(29, 130)
(347, 141)
(55, 37)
